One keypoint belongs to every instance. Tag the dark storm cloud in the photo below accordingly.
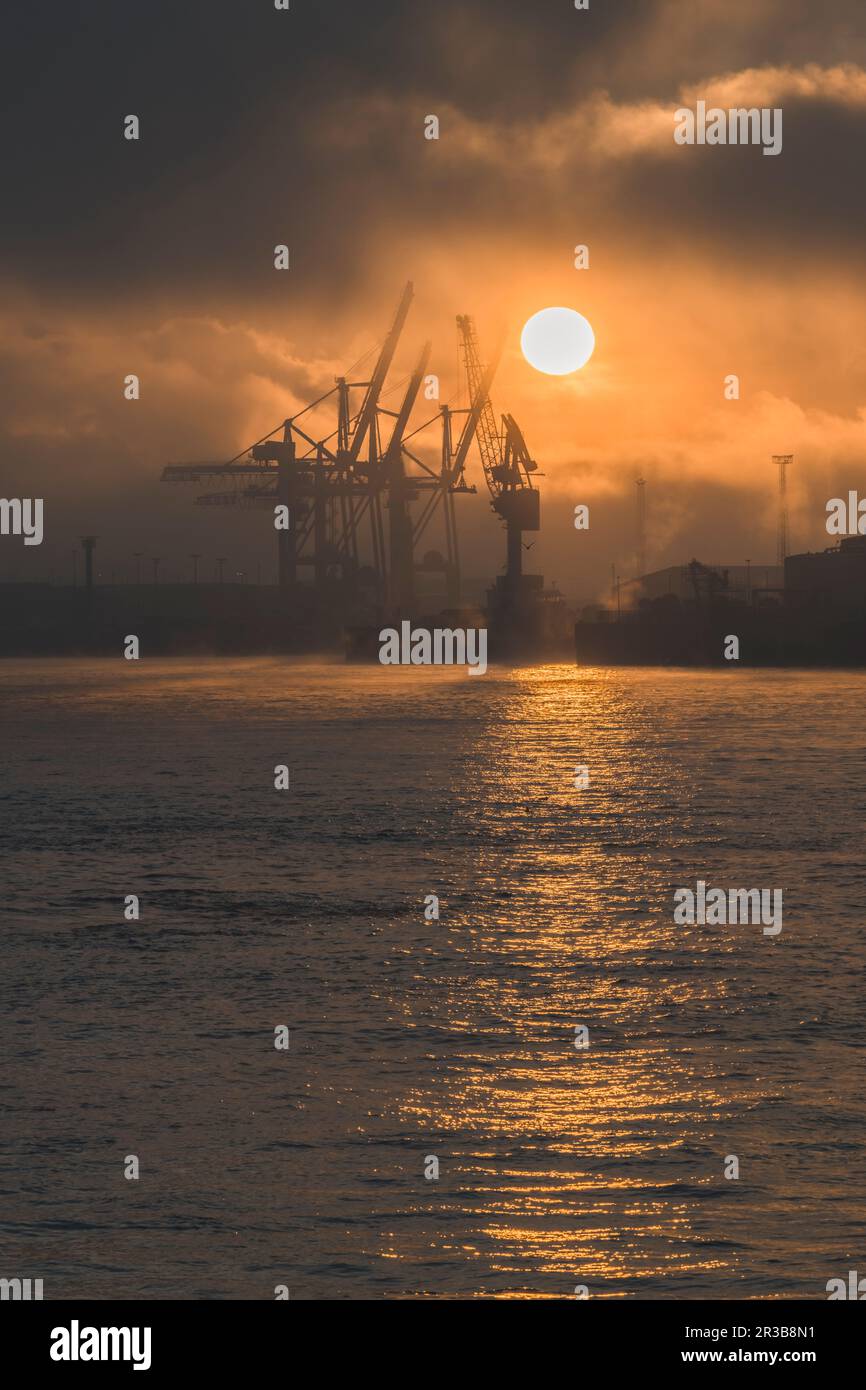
(233, 98)
(511, 177)
(230, 96)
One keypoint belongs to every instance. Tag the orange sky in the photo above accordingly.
(703, 262)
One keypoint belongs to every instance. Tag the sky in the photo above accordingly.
(306, 127)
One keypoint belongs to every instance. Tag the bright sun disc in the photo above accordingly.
(557, 341)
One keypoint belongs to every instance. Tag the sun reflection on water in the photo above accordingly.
(584, 1166)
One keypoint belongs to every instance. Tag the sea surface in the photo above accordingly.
(412, 1040)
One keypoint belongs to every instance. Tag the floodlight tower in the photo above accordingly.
(782, 461)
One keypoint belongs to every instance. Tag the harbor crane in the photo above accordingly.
(505, 459)
(331, 485)
(363, 473)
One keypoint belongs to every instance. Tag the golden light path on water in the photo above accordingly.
(454, 1038)
(597, 1166)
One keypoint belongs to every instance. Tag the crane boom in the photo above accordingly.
(396, 441)
(367, 412)
(486, 433)
(480, 381)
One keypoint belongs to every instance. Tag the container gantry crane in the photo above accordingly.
(331, 485)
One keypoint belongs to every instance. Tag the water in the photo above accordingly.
(409, 1038)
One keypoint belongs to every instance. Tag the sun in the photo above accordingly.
(557, 341)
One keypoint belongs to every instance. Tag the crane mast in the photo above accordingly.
(401, 576)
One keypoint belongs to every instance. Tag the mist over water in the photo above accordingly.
(410, 1038)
